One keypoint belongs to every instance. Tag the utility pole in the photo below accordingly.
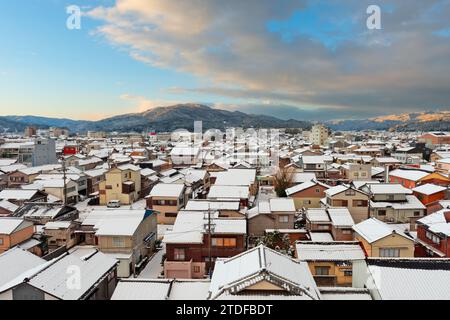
(209, 241)
(64, 178)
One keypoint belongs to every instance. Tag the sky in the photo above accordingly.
(300, 59)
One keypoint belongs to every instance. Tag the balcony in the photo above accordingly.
(128, 187)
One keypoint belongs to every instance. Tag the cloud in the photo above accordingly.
(403, 67)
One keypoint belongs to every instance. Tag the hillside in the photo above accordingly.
(163, 119)
(417, 121)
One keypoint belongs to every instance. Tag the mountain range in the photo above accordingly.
(415, 121)
(161, 119)
(166, 119)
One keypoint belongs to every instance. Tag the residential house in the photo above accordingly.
(307, 194)
(383, 240)
(436, 178)
(407, 178)
(43, 212)
(411, 279)
(51, 280)
(277, 213)
(94, 178)
(127, 235)
(443, 165)
(19, 196)
(356, 171)
(433, 139)
(408, 155)
(187, 245)
(346, 196)
(7, 208)
(14, 231)
(162, 289)
(60, 234)
(394, 203)
(429, 194)
(333, 224)
(167, 199)
(227, 193)
(262, 272)
(330, 263)
(121, 183)
(225, 209)
(433, 235)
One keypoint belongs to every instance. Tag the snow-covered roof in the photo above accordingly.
(5, 204)
(373, 230)
(282, 205)
(406, 283)
(332, 251)
(55, 225)
(15, 262)
(388, 188)
(437, 222)
(340, 217)
(161, 289)
(53, 279)
(17, 194)
(304, 186)
(321, 236)
(236, 177)
(228, 192)
(317, 215)
(413, 175)
(190, 226)
(429, 189)
(410, 203)
(167, 190)
(8, 224)
(203, 205)
(336, 190)
(235, 274)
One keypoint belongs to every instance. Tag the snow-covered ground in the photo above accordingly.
(153, 268)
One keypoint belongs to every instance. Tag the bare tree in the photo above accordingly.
(282, 181)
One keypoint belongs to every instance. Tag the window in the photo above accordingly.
(306, 202)
(381, 212)
(322, 271)
(283, 219)
(390, 252)
(348, 273)
(171, 214)
(196, 269)
(118, 242)
(416, 213)
(350, 192)
(360, 203)
(433, 237)
(108, 187)
(223, 242)
(318, 190)
(179, 254)
(346, 231)
(322, 227)
(1, 241)
(390, 197)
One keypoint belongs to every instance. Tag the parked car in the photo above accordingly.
(113, 204)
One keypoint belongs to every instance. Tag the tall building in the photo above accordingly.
(30, 132)
(319, 135)
(44, 152)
